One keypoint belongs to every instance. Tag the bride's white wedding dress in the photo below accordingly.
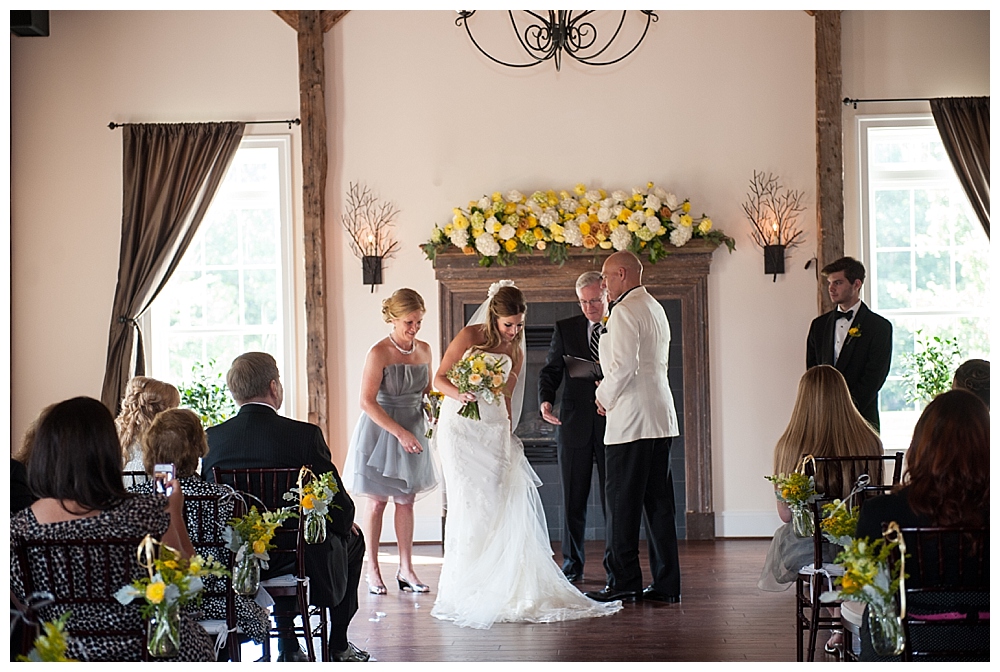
(498, 564)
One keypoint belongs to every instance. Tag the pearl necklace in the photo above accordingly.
(413, 346)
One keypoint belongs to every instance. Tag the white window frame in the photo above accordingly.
(913, 179)
(155, 350)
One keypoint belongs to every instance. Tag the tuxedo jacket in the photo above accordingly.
(257, 437)
(580, 420)
(864, 359)
(635, 391)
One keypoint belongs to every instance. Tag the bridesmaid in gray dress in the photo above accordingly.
(388, 456)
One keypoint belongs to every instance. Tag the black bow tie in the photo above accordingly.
(847, 315)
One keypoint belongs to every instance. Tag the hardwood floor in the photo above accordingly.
(722, 617)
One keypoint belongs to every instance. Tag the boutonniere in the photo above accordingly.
(604, 321)
(854, 332)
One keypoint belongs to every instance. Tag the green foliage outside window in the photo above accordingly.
(207, 395)
(928, 371)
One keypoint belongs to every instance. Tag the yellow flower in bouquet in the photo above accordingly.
(432, 410)
(839, 522)
(481, 373)
(253, 532)
(51, 645)
(867, 576)
(172, 579)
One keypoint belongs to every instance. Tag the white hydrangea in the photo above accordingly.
(487, 245)
(680, 235)
(459, 237)
(485, 202)
(569, 204)
(604, 214)
(653, 224)
(619, 195)
(653, 201)
(514, 196)
(547, 219)
(572, 235)
(593, 195)
(507, 232)
(621, 237)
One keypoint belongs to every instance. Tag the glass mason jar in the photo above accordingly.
(802, 521)
(886, 628)
(315, 529)
(163, 636)
(246, 575)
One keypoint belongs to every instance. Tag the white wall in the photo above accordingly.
(426, 122)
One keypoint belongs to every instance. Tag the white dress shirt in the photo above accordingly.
(841, 328)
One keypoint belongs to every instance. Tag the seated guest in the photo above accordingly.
(144, 398)
(947, 483)
(77, 437)
(260, 438)
(974, 375)
(176, 437)
(20, 494)
(824, 423)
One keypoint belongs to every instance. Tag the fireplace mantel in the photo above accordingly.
(683, 275)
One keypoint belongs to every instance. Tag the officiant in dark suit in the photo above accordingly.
(257, 437)
(852, 338)
(580, 437)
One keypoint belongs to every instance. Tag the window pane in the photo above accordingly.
(972, 277)
(220, 238)
(261, 343)
(893, 289)
(261, 297)
(185, 350)
(260, 236)
(892, 218)
(892, 397)
(185, 300)
(933, 217)
(222, 295)
(933, 280)
(222, 347)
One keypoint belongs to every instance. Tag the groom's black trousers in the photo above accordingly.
(640, 487)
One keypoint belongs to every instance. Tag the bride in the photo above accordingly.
(498, 562)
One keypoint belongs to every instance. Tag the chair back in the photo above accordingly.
(82, 576)
(133, 478)
(947, 590)
(266, 487)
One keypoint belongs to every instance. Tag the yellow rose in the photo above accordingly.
(456, 211)
(510, 208)
(539, 233)
(532, 221)
(705, 226)
(460, 221)
(632, 226)
(497, 197)
(589, 242)
(259, 546)
(585, 228)
(624, 215)
(477, 231)
(580, 189)
(511, 245)
(553, 201)
(155, 591)
(308, 502)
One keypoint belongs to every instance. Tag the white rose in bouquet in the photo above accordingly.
(484, 203)
(507, 232)
(603, 214)
(653, 201)
(514, 196)
(618, 195)
(593, 195)
(653, 224)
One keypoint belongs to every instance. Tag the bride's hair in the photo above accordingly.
(508, 301)
(402, 302)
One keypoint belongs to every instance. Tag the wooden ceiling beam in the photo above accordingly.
(328, 17)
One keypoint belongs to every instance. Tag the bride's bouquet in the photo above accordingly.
(481, 373)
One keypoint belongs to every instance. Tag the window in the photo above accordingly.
(231, 292)
(927, 255)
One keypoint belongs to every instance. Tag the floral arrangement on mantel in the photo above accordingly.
(500, 227)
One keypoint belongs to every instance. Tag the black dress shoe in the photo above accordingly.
(573, 577)
(654, 595)
(295, 655)
(610, 595)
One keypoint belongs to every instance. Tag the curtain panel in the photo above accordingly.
(964, 125)
(170, 173)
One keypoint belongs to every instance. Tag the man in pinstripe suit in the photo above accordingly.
(257, 437)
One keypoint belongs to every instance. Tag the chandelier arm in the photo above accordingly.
(573, 46)
(545, 28)
(462, 20)
(650, 17)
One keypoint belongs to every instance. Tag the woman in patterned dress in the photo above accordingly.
(77, 437)
(177, 437)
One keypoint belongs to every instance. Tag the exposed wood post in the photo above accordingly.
(829, 148)
(314, 169)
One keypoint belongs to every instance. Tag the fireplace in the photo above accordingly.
(679, 282)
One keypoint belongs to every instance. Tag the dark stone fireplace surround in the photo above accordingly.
(681, 277)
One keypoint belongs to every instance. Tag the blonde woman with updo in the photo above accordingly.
(388, 457)
(144, 399)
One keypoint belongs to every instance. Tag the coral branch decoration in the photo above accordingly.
(499, 227)
(369, 224)
(773, 212)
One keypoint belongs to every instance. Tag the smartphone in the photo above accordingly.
(162, 473)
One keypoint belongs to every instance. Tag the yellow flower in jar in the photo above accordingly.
(172, 564)
(259, 546)
(308, 502)
(155, 592)
(195, 566)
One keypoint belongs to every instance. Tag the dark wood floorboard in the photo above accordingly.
(722, 617)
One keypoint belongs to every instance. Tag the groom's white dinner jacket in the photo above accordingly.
(634, 353)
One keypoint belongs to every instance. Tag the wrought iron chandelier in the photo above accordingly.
(566, 31)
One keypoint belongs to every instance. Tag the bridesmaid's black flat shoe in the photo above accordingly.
(405, 585)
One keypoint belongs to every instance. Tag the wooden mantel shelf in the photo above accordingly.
(682, 275)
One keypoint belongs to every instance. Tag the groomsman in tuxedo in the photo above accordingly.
(257, 437)
(852, 338)
(580, 437)
(635, 396)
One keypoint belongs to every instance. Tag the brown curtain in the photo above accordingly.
(170, 173)
(964, 125)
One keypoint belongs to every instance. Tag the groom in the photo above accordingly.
(635, 396)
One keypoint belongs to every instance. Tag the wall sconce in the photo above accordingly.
(369, 224)
(773, 211)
